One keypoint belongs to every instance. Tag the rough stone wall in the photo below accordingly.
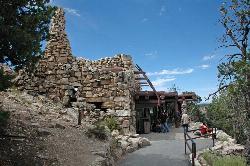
(110, 82)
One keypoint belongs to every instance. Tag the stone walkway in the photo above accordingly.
(166, 150)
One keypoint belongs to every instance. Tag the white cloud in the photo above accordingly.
(204, 66)
(144, 20)
(162, 81)
(152, 54)
(162, 10)
(208, 57)
(172, 72)
(72, 11)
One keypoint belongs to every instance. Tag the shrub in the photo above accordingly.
(231, 161)
(4, 116)
(98, 131)
(209, 157)
(220, 160)
(111, 123)
(5, 80)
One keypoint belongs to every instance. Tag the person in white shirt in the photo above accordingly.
(184, 118)
(185, 121)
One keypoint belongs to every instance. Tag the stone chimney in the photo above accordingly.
(58, 48)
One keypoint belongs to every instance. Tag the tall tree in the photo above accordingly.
(24, 25)
(234, 72)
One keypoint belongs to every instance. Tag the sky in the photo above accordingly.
(174, 41)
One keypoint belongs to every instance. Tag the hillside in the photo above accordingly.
(40, 132)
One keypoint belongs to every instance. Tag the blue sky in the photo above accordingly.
(175, 42)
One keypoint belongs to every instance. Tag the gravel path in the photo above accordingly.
(166, 150)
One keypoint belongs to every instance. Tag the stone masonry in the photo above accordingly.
(108, 83)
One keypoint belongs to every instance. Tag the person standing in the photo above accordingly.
(184, 118)
(164, 126)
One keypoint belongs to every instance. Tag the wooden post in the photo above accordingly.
(79, 116)
(185, 138)
(193, 153)
(214, 135)
(176, 118)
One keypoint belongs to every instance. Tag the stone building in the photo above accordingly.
(108, 83)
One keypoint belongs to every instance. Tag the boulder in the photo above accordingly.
(130, 149)
(123, 144)
(122, 113)
(115, 133)
(134, 142)
(144, 142)
(42, 132)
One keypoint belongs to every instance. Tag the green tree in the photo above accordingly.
(24, 25)
(194, 109)
(226, 112)
(234, 72)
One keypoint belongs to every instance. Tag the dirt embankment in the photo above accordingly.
(40, 132)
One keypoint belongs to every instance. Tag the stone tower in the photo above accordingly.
(58, 48)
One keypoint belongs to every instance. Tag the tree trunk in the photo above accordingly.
(248, 121)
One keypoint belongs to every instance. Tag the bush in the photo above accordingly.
(98, 131)
(219, 160)
(5, 80)
(111, 123)
(231, 161)
(4, 116)
(227, 113)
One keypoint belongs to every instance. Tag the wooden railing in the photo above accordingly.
(192, 148)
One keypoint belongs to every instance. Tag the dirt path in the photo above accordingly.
(166, 150)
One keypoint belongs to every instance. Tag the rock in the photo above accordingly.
(125, 123)
(66, 100)
(42, 132)
(222, 136)
(63, 111)
(144, 142)
(80, 99)
(110, 112)
(134, 136)
(99, 161)
(59, 126)
(100, 153)
(124, 137)
(35, 124)
(42, 156)
(134, 142)
(39, 105)
(115, 133)
(130, 149)
(233, 149)
(123, 144)
(73, 113)
(122, 113)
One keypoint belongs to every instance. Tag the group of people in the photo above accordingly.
(161, 125)
(185, 120)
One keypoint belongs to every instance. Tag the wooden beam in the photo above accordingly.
(140, 78)
(143, 83)
(148, 101)
(139, 72)
(149, 82)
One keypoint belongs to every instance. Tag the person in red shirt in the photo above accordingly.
(203, 129)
